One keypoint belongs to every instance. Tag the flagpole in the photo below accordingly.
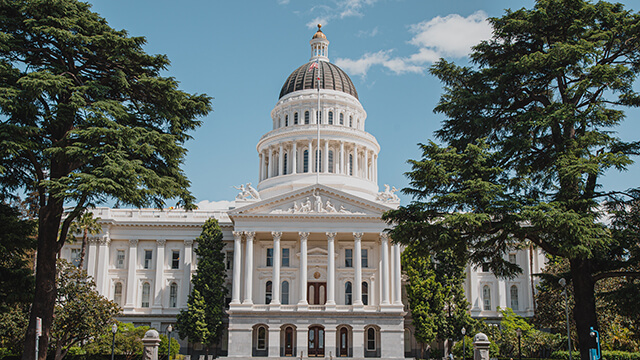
(318, 163)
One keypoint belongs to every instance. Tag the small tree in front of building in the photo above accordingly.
(202, 320)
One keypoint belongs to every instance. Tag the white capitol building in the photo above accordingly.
(311, 271)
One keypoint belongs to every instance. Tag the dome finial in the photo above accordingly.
(319, 46)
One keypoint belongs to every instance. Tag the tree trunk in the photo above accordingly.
(533, 287)
(85, 236)
(45, 292)
(584, 312)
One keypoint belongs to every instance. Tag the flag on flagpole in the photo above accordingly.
(313, 66)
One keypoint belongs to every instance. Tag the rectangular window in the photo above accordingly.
(175, 259)
(365, 258)
(230, 260)
(285, 257)
(512, 258)
(269, 257)
(120, 259)
(75, 257)
(348, 257)
(148, 256)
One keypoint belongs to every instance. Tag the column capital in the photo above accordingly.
(276, 235)
(384, 236)
(161, 242)
(104, 240)
(133, 242)
(331, 235)
(303, 235)
(238, 235)
(188, 242)
(357, 236)
(249, 235)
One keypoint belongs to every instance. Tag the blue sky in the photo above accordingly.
(241, 52)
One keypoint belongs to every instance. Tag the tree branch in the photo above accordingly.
(613, 274)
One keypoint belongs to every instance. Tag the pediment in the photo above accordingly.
(313, 201)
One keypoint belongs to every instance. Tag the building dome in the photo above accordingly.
(331, 78)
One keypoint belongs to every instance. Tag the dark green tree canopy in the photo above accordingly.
(528, 132)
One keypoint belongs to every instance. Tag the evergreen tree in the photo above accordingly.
(202, 320)
(528, 133)
(84, 224)
(86, 117)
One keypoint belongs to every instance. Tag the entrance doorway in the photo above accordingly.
(288, 341)
(344, 342)
(316, 341)
(317, 293)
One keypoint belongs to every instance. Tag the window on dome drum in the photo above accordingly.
(348, 296)
(229, 260)
(350, 121)
(261, 343)
(286, 120)
(486, 297)
(117, 293)
(285, 257)
(269, 257)
(365, 258)
(173, 295)
(285, 293)
(318, 160)
(514, 297)
(330, 117)
(295, 118)
(305, 164)
(348, 257)
(341, 119)
(284, 164)
(148, 256)
(75, 257)
(268, 292)
(306, 117)
(512, 258)
(365, 293)
(175, 259)
(351, 164)
(330, 161)
(120, 259)
(146, 289)
(318, 117)
(371, 339)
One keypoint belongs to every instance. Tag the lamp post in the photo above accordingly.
(463, 331)
(114, 330)
(596, 354)
(169, 330)
(519, 332)
(563, 283)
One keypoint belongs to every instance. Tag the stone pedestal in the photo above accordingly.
(481, 347)
(150, 341)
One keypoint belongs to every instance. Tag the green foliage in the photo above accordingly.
(127, 341)
(202, 320)
(81, 313)
(529, 130)
(13, 324)
(162, 348)
(436, 297)
(606, 355)
(84, 225)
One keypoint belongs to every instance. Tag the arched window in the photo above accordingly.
(351, 164)
(330, 117)
(350, 121)
(284, 165)
(306, 117)
(146, 289)
(341, 119)
(318, 117)
(261, 343)
(295, 118)
(486, 297)
(371, 339)
(286, 120)
(348, 297)
(117, 293)
(318, 160)
(514, 297)
(285, 293)
(305, 163)
(173, 295)
(268, 292)
(365, 293)
(330, 161)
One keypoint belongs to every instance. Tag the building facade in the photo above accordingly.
(310, 269)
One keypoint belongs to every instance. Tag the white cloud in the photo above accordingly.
(341, 9)
(313, 24)
(215, 205)
(283, 2)
(449, 36)
(370, 33)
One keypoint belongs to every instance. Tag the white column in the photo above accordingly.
(311, 157)
(303, 268)
(355, 160)
(237, 267)
(103, 260)
(261, 166)
(248, 270)
(131, 276)
(342, 158)
(159, 280)
(92, 257)
(270, 164)
(275, 281)
(357, 258)
(366, 164)
(325, 156)
(384, 281)
(331, 269)
(280, 160)
(186, 265)
(397, 278)
(294, 159)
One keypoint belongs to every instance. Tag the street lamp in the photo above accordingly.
(596, 354)
(563, 283)
(463, 331)
(169, 330)
(519, 332)
(114, 330)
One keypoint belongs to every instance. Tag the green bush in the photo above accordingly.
(606, 355)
